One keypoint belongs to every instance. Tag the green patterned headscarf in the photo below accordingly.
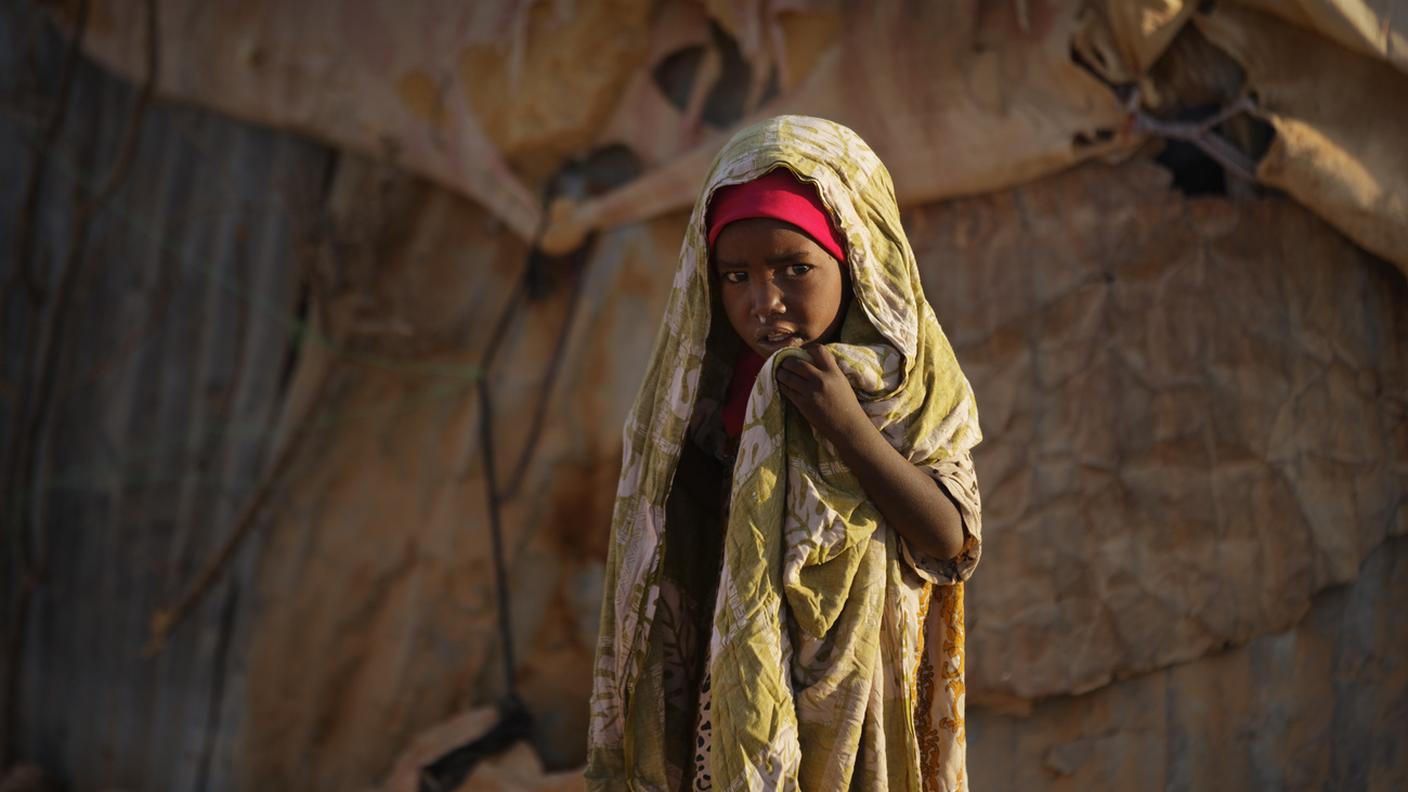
(817, 645)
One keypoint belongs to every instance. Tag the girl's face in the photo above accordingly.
(779, 288)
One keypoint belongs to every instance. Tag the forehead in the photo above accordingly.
(763, 237)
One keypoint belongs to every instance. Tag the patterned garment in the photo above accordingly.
(703, 740)
(835, 652)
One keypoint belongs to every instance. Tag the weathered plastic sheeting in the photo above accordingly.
(1130, 35)
(1193, 412)
(1339, 114)
(517, 769)
(1138, 31)
(1369, 27)
(958, 98)
(167, 389)
(1000, 102)
(378, 591)
(1318, 706)
(457, 92)
(1340, 143)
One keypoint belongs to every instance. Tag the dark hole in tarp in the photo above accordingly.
(1197, 173)
(676, 73)
(725, 104)
(1194, 173)
(597, 172)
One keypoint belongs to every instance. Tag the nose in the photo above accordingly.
(765, 300)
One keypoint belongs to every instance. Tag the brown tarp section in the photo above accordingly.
(489, 98)
(1369, 27)
(1341, 145)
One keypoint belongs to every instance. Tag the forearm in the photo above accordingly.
(909, 499)
(915, 504)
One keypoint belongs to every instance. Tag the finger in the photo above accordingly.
(791, 379)
(795, 383)
(802, 367)
(821, 355)
(789, 392)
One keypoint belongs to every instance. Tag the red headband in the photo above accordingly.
(781, 196)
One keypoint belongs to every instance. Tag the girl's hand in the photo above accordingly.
(919, 508)
(822, 393)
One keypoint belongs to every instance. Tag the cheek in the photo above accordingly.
(822, 299)
(735, 305)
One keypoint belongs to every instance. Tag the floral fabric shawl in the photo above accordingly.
(837, 653)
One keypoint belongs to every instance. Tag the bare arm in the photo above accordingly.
(910, 500)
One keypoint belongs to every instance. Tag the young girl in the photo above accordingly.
(797, 507)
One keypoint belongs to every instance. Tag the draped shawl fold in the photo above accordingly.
(836, 651)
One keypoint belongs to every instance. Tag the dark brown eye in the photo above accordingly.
(798, 270)
(734, 276)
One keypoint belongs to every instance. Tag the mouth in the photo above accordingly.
(777, 338)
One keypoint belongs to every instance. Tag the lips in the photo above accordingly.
(777, 338)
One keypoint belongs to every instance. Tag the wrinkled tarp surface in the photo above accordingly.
(959, 98)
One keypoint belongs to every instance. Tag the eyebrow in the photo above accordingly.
(780, 258)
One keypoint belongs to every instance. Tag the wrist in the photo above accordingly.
(854, 435)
